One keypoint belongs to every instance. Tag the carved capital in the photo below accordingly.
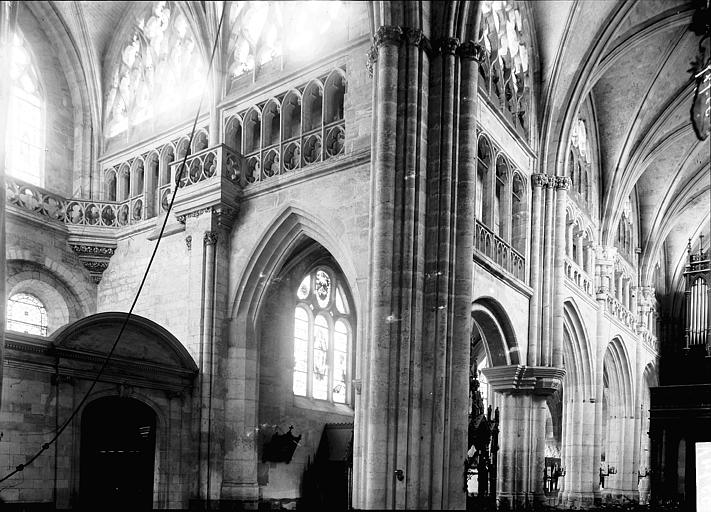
(562, 182)
(413, 36)
(371, 58)
(210, 238)
(469, 50)
(605, 255)
(388, 35)
(539, 180)
(448, 45)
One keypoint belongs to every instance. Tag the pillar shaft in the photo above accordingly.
(562, 183)
(548, 246)
(538, 182)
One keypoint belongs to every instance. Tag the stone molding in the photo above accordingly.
(521, 379)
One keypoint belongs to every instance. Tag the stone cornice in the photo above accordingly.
(40, 354)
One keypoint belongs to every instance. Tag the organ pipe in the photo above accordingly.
(698, 318)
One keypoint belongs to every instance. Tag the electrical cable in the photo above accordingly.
(178, 179)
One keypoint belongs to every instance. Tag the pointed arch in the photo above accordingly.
(578, 354)
(616, 364)
(288, 229)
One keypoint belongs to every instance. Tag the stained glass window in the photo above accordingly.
(322, 338)
(158, 69)
(505, 67)
(261, 31)
(25, 135)
(26, 313)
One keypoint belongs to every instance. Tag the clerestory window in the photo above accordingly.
(159, 67)
(25, 135)
(27, 314)
(322, 338)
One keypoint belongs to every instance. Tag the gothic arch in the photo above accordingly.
(578, 356)
(617, 365)
(288, 229)
(496, 330)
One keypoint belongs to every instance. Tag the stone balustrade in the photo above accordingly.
(619, 311)
(498, 250)
(295, 153)
(78, 212)
(579, 277)
(650, 340)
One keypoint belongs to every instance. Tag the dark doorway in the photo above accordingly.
(117, 455)
(327, 482)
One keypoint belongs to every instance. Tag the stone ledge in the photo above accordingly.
(520, 379)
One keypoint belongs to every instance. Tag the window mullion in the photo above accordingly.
(331, 330)
(310, 359)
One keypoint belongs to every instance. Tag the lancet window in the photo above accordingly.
(25, 136)
(158, 68)
(579, 164)
(26, 314)
(505, 75)
(625, 232)
(322, 338)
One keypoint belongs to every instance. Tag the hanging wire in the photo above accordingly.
(181, 169)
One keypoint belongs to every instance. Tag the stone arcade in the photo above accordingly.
(392, 216)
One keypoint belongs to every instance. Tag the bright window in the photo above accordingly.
(261, 31)
(26, 313)
(158, 69)
(322, 338)
(505, 67)
(25, 137)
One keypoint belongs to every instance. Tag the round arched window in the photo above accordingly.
(27, 314)
(322, 338)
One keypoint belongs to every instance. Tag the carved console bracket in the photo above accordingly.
(219, 197)
(95, 257)
(520, 379)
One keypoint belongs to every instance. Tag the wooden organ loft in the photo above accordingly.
(680, 407)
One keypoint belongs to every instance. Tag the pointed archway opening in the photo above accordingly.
(118, 439)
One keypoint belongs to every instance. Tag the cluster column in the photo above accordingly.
(413, 409)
